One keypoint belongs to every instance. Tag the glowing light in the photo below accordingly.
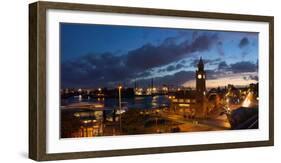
(98, 105)
(165, 89)
(138, 91)
(86, 121)
(184, 105)
(99, 89)
(199, 76)
(247, 101)
(172, 97)
(175, 100)
(227, 100)
(228, 111)
(148, 91)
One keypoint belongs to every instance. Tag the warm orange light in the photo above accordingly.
(184, 105)
(247, 101)
(98, 105)
(165, 89)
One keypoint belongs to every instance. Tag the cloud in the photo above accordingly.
(95, 70)
(176, 79)
(150, 56)
(254, 77)
(174, 67)
(214, 78)
(171, 68)
(244, 66)
(144, 74)
(109, 69)
(251, 77)
(170, 56)
(244, 42)
(219, 47)
(206, 62)
(238, 67)
(222, 65)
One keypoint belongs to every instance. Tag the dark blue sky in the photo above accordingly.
(95, 56)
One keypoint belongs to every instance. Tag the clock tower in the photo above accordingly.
(200, 82)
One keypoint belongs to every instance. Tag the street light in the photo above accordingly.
(120, 107)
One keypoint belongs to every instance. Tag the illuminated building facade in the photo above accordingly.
(193, 101)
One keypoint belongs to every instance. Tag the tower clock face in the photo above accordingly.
(199, 76)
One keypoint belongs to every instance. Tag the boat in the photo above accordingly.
(116, 112)
(124, 108)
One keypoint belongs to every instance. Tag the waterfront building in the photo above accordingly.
(192, 102)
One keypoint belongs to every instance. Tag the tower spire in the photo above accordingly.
(200, 64)
(200, 87)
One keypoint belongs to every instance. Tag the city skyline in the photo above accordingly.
(95, 56)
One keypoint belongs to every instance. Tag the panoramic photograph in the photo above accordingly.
(129, 80)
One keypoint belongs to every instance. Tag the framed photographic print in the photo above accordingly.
(111, 81)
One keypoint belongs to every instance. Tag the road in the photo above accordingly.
(220, 123)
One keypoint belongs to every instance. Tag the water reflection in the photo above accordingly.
(142, 102)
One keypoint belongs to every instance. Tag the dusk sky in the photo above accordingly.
(95, 56)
